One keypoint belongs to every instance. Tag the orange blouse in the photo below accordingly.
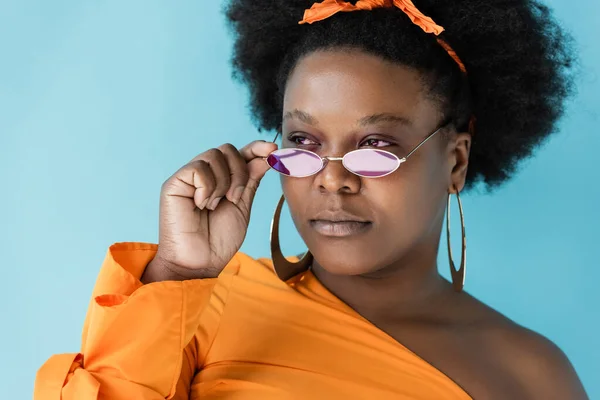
(243, 335)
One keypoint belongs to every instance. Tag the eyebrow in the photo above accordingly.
(302, 116)
(384, 117)
(365, 121)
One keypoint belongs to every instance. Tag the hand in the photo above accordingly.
(205, 211)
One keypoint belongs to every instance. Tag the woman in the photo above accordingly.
(385, 112)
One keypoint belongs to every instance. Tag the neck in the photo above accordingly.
(409, 287)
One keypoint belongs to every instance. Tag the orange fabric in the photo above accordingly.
(245, 335)
(327, 8)
(452, 54)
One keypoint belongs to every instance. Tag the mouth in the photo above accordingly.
(339, 228)
(339, 223)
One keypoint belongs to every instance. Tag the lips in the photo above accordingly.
(339, 223)
(337, 216)
(341, 228)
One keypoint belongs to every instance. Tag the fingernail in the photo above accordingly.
(203, 204)
(214, 203)
(237, 194)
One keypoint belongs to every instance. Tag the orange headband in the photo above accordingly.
(327, 8)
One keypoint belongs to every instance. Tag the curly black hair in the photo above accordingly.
(518, 60)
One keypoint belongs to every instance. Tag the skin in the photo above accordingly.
(388, 272)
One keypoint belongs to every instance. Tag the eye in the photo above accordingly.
(376, 143)
(302, 141)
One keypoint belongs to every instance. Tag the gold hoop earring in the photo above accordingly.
(458, 276)
(284, 268)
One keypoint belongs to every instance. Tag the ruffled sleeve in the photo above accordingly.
(139, 341)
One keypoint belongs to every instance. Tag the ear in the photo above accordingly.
(459, 150)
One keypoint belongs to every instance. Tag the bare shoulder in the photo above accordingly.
(540, 367)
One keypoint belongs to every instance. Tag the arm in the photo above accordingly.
(137, 339)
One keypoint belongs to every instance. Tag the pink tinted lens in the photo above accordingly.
(295, 162)
(371, 162)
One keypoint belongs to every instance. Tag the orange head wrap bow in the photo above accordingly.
(327, 8)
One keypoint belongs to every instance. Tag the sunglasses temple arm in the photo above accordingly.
(422, 143)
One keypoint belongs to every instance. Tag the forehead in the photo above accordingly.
(356, 84)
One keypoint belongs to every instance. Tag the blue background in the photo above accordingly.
(100, 101)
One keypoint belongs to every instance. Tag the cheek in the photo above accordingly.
(426, 175)
(407, 200)
(296, 191)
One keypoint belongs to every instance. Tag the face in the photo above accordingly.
(336, 102)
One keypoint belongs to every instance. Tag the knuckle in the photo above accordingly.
(198, 165)
(168, 185)
(202, 170)
(228, 147)
(213, 153)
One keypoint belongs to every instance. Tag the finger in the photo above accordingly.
(238, 170)
(204, 182)
(254, 154)
(257, 149)
(194, 181)
(220, 169)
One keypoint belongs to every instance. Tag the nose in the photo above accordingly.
(335, 178)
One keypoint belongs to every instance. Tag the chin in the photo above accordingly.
(344, 258)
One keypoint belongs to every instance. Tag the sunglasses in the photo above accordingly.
(367, 163)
